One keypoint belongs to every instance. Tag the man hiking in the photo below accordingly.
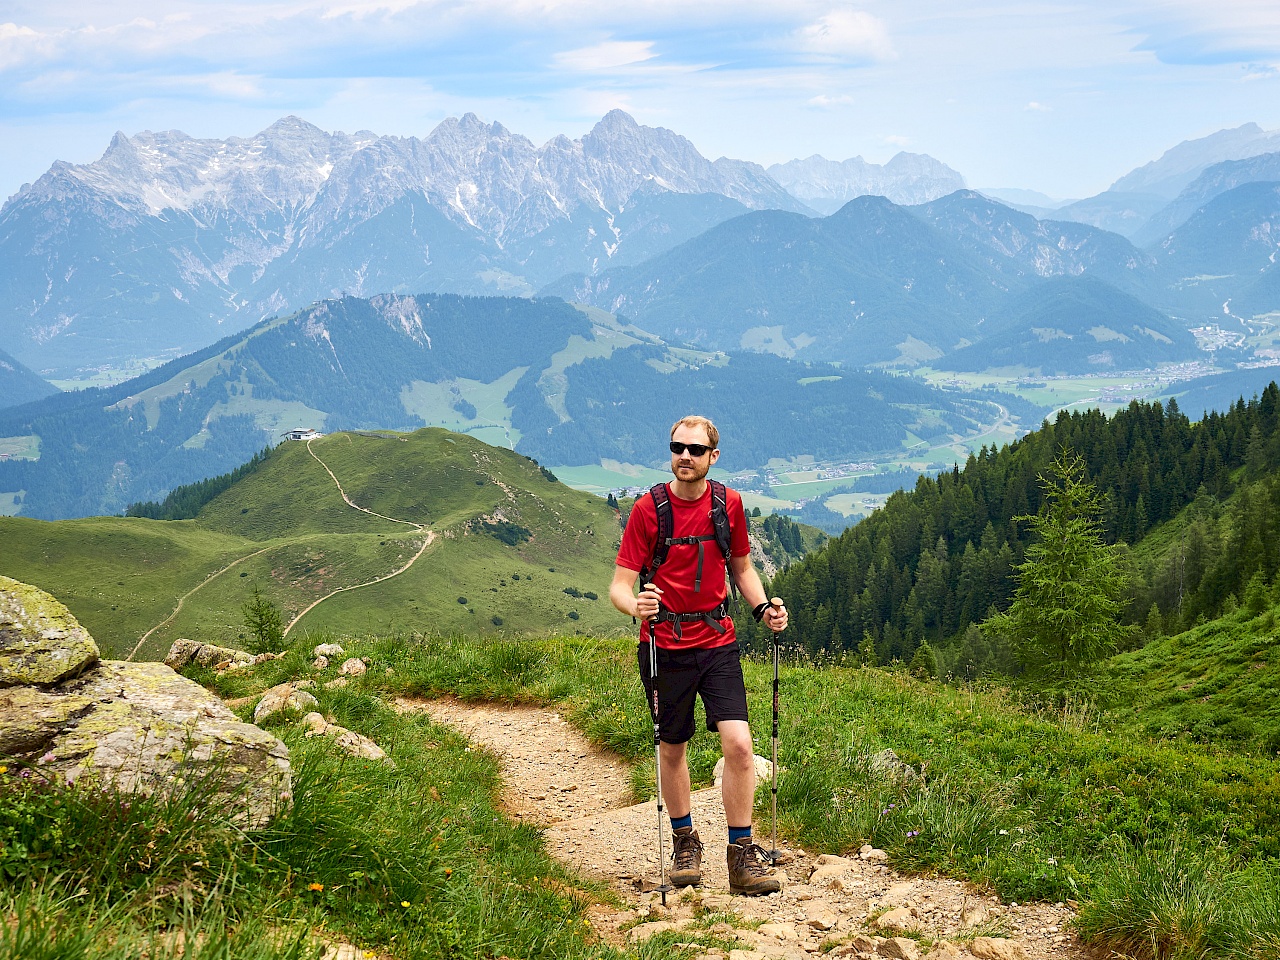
(678, 541)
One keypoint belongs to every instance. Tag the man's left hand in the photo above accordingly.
(775, 618)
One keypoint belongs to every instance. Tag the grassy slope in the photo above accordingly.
(1216, 683)
(298, 540)
(1038, 804)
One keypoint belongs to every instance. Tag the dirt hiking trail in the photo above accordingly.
(579, 796)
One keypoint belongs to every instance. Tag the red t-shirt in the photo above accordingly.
(675, 578)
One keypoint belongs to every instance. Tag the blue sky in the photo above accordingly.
(1061, 97)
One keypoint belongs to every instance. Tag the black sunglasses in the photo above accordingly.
(695, 449)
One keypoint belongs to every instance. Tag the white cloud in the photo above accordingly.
(895, 140)
(21, 44)
(605, 56)
(822, 100)
(847, 35)
(1262, 71)
(1037, 107)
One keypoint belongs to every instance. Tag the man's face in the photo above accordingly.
(685, 466)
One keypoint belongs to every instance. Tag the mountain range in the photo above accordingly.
(168, 242)
(565, 385)
(827, 185)
(880, 283)
(19, 385)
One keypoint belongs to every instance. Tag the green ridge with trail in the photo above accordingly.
(509, 542)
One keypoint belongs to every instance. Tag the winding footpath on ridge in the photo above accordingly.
(421, 528)
(578, 796)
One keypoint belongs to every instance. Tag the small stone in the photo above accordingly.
(823, 921)
(644, 931)
(779, 931)
(320, 663)
(353, 667)
(899, 948)
(328, 650)
(875, 855)
(973, 914)
(997, 948)
(337, 683)
(903, 918)
(942, 950)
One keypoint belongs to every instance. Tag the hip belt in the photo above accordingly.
(711, 617)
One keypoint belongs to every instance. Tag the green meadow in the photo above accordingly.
(1167, 847)
(287, 530)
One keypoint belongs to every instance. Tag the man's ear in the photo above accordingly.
(715, 455)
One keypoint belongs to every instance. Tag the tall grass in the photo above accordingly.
(410, 858)
(1170, 848)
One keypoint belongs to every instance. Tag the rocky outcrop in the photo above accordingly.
(40, 641)
(185, 651)
(131, 726)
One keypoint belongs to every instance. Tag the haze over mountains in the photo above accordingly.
(328, 269)
(167, 242)
(564, 385)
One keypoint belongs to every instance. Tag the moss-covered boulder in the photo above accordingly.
(129, 726)
(40, 641)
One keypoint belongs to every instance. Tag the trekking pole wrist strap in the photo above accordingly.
(758, 611)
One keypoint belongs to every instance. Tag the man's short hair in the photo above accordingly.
(713, 435)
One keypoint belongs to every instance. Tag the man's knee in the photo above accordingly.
(735, 743)
(673, 752)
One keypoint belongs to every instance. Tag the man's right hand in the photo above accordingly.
(648, 602)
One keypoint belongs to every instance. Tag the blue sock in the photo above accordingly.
(685, 821)
(737, 833)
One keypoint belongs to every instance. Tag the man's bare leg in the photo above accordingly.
(675, 779)
(739, 786)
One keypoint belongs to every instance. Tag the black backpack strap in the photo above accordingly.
(723, 529)
(666, 526)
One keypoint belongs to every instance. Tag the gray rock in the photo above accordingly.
(887, 764)
(134, 727)
(328, 650)
(40, 641)
(353, 667)
(184, 651)
(357, 745)
(283, 696)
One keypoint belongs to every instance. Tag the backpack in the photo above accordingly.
(666, 526)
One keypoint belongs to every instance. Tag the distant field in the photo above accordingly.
(467, 406)
(10, 503)
(20, 448)
(597, 479)
(109, 375)
(1108, 393)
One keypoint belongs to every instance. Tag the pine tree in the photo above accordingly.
(265, 625)
(1066, 610)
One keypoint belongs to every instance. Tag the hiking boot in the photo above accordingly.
(749, 870)
(686, 857)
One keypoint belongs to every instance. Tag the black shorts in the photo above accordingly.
(715, 673)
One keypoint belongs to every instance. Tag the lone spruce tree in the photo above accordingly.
(1066, 610)
(263, 621)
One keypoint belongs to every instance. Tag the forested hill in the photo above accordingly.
(936, 559)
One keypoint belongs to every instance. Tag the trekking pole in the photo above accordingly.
(663, 887)
(776, 603)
